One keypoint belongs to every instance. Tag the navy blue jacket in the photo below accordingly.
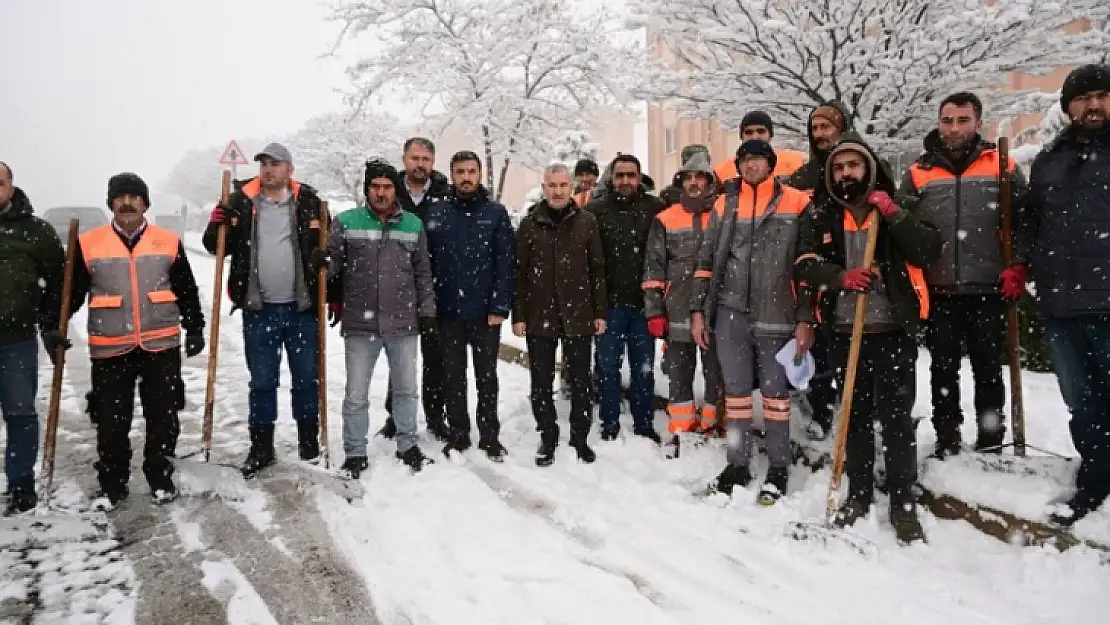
(473, 251)
(1064, 230)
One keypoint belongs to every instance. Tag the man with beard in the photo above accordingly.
(141, 293)
(669, 265)
(379, 272)
(30, 295)
(624, 213)
(757, 126)
(424, 185)
(560, 298)
(744, 292)
(831, 250)
(956, 184)
(672, 194)
(273, 229)
(471, 245)
(1064, 239)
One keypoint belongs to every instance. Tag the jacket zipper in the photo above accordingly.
(751, 249)
(956, 246)
(135, 299)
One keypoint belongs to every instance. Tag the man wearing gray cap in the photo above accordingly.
(273, 229)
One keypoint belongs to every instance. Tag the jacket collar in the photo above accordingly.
(20, 206)
(253, 188)
(541, 216)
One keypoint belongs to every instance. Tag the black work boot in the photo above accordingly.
(353, 466)
(582, 448)
(903, 518)
(545, 455)
(734, 475)
(414, 458)
(389, 430)
(22, 498)
(949, 439)
(774, 488)
(308, 439)
(495, 451)
(162, 490)
(109, 498)
(853, 510)
(458, 445)
(992, 432)
(261, 454)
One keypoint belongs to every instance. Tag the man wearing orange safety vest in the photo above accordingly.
(744, 292)
(757, 126)
(830, 262)
(141, 293)
(956, 183)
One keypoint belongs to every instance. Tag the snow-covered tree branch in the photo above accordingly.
(332, 149)
(196, 177)
(889, 61)
(511, 73)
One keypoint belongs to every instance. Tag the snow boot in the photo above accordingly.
(948, 440)
(414, 458)
(261, 454)
(389, 430)
(495, 451)
(458, 445)
(610, 434)
(545, 455)
(650, 434)
(585, 454)
(734, 475)
(853, 510)
(353, 466)
(774, 487)
(903, 517)
(1074, 509)
(673, 447)
(22, 498)
(308, 439)
(164, 493)
(108, 499)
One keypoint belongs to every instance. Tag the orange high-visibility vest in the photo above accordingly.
(131, 303)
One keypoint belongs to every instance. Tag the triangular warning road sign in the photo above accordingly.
(233, 155)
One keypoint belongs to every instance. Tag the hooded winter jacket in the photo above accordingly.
(811, 176)
(380, 272)
(31, 282)
(1064, 232)
(906, 244)
(962, 200)
(472, 249)
(623, 223)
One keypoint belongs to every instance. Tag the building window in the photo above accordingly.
(670, 141)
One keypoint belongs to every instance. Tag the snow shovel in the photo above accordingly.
(50, 442)
(322, 331)
(214, 333)
(828, 530)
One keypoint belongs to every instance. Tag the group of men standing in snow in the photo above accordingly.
(731, 265)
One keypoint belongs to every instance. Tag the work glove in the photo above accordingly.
(194, 344)
(219, 215)
(882, 201)
(857, 279)
(335, 313)
(319, 259)
(428, 326)
(657, 326)
(1013, 280)
(52, 340)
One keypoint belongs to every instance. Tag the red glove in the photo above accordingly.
(219, 215)
(1013, 279)
(335, 313)
(857, 279)
(657, 326)
(882, 201)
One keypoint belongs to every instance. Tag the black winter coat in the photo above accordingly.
(624, 224)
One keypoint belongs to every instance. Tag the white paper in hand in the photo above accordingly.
(798, 371)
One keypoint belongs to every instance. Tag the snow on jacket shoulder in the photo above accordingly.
(383, 269)
(472, 249)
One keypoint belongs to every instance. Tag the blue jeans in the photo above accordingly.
(19, 376)
(1080, 349)
(265, 333)
(626, 326)
(362, 354)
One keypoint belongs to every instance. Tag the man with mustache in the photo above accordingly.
(30, 296)
(956, 184)
(560, 298)
(624, 214)
(831, 249)
(472, 250)
(273, 231)
(141, 294)
(424, 185)
(1063, 243)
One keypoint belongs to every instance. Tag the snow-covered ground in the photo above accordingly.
(624, 540)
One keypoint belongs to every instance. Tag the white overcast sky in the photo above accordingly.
(90, 88)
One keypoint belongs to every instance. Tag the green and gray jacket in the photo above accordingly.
(31, 282)
(381, 272)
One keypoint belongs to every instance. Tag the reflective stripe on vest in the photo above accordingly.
(131, 303)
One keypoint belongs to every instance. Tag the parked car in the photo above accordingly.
(89, 216)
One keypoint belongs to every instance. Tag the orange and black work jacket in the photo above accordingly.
(745, 263)
(141, 291)
(670, 259)
(961, 198)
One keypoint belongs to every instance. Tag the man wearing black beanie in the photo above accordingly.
(758, 126)
(1062, 244)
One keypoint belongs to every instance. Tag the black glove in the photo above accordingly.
(194, 344)
(319, 259)
(52, 340)
(428, 326)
